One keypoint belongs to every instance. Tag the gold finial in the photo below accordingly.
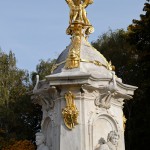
(79, 26)
(70, 112)
(78, 16)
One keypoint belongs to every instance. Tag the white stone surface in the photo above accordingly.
(99, 99)
(40, 141)
(112, 141)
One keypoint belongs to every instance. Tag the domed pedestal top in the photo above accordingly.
(91, 61)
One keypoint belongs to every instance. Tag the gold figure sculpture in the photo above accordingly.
(78, 12)
(79, 25)
(70, 112)
(78, 15)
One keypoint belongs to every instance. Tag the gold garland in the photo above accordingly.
(109, 65)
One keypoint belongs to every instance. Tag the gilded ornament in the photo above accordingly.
(78, 14)
(70, 112)
(124, 122)
(110, 66)
(79, 26)
(73, 58)
(75, 61)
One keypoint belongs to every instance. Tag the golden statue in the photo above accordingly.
(79, 26)
(78, 15)
(78, 12)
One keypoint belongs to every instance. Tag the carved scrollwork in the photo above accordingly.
(46, 98)
(103, 100)
(103, 94)
(107, 92)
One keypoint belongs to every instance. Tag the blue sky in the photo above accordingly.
(35, 29)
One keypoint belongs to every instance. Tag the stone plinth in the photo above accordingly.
(99, 99)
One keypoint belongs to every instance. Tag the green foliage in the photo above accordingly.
(19, 118)
(43, 69)
(139, 35)
(139, 31)
(114, 46)
(128, 51)
(133, 67)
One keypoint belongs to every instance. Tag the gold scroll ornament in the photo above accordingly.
(73, 59)
(70, 112)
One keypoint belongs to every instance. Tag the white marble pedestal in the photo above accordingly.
(99, 100)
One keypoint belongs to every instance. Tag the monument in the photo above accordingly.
(82, 98)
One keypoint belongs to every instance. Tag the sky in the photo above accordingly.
(35, 29)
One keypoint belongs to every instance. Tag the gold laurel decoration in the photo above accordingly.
(109, 65)
(70, 112)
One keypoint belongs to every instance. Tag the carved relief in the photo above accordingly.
(70, 112)
(101, 122)
(111, 144)
(41, 141)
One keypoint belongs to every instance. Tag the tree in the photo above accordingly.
(139, 35)
(19, 117)
(139, 31)
(130, 55)
(115, 47)
(11, 87)
(42, 69)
